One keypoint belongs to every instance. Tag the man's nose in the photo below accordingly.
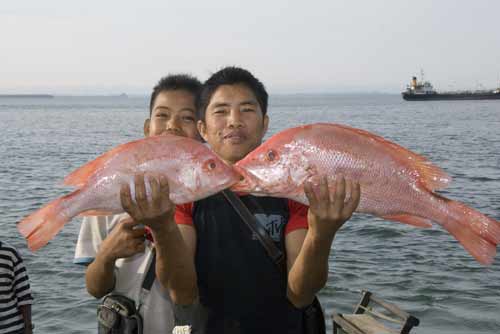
(235, 119)
(173, 125)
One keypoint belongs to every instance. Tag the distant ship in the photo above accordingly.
(423, 91)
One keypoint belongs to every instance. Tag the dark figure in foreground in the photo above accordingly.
(15, 294)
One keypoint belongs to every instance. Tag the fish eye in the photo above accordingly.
(211, 165)
(271, 155)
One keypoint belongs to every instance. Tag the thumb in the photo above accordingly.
(128, 223)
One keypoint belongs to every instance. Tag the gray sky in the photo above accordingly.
(106, 47)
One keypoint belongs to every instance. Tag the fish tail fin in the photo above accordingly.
(477, 233)
(41, 226)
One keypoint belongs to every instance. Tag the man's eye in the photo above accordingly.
(188, 119)
(247, 110)
(219, 111)
(161, 116)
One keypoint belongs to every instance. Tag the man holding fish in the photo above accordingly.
(114, 247)
(238, 285)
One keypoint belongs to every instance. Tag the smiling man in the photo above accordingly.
(238, 284)
(118, 249)
(235, 124)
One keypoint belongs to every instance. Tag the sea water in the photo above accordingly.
(424, 271)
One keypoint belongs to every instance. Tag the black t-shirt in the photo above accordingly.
(238, 282)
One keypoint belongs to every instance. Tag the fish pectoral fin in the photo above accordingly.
(410, 220)
(431, 176)
(96, 213)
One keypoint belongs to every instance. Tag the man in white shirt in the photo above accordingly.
(117, 249)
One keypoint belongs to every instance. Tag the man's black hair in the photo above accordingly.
(230, 76)
(176, 82)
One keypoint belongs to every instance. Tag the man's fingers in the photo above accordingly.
(348, 191)
(140, 189)
(164, 186)
(339, 194)
(139, 246)
(310, 194)
(128, 223)
(323, 194)
(142, 247)
(354, 200)
(140, 193)
(156, 195)
(125, 198)
(323, 188)
(126, 220)
(138, 232)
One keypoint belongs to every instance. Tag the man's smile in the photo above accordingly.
(235, 137)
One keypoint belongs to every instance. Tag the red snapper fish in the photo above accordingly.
(396, 184)
(192, 170)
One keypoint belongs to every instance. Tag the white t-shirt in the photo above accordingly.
(129, 273)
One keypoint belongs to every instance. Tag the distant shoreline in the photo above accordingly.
(26, 96)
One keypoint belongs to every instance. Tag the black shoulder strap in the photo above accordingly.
(314, 319)
(150, 275)
(274, 252)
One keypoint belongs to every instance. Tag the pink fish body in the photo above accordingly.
(192, 169)
(396, 184)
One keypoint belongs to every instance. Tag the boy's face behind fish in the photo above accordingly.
(173, 112)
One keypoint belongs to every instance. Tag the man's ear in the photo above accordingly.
(147, 122)
(266, 125)
(202, 129)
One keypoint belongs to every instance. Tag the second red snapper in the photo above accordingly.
(192, 169)
(396, 184)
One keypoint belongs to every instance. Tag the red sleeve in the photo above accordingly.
(183, 214)
(298, 217)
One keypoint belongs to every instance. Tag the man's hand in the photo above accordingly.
(157, 211)
(125, 240)
(329, 209)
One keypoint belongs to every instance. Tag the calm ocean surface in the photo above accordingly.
(426, 272)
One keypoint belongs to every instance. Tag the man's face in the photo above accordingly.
(173, 112)
(234, 124)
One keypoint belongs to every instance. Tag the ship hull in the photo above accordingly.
(452, 96)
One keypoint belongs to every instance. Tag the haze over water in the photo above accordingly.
(426, 272)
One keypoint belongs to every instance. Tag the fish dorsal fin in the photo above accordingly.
(145, 145)
(431, 176)
(78, 177)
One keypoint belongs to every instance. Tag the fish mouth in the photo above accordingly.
(247, 182)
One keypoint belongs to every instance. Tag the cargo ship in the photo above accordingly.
(423, 91)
